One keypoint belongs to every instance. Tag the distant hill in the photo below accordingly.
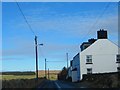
(42, 72)
(18, 73)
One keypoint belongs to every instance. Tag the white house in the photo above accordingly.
(96, 56)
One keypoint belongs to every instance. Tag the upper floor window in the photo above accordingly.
(88, 59)
(118, 58)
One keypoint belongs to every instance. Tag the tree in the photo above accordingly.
(62, 75)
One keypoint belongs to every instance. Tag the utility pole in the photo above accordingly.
(67, 59)
(48, 73)
(36, 57)
(45, 69)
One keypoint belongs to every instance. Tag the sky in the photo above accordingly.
(61, 0)
(61, 26)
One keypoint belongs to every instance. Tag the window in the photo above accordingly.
(89, 70)
(89, 59)
(118, 58)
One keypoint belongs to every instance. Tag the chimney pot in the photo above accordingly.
(102, 34)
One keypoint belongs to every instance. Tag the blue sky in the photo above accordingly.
(61, 27)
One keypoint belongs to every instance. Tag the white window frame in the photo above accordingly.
(88, 58)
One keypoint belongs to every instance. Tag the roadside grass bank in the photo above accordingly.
(25, 79)
(22, 83)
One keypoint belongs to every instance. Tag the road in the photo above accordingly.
(57, 85)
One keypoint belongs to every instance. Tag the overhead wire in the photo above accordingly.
(30, 28)
(97, 20)
(55, 61)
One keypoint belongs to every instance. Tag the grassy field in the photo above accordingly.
(41, 73)
(26, 81)
(9, 77)
(52, 74)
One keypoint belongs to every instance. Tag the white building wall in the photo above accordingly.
(70, 72)
(74, 76)
(76, 64)
(103, 54)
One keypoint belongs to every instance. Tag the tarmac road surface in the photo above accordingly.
(57, 85)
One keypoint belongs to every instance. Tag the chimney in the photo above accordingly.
(102, 34)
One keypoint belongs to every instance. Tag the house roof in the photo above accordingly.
(101, 45)
(90, 41)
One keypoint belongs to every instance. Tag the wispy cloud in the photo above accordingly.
(59, 31)
(75, 26)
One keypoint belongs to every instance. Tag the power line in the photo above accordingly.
(97, 20)
(36, 52)
(55, 61)
(25, 18)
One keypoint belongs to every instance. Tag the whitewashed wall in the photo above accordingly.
(76, 64)
(74, 76)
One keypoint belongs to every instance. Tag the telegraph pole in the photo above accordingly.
(67, 59)
(36, 57)
(48, 73)
(45, 69)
